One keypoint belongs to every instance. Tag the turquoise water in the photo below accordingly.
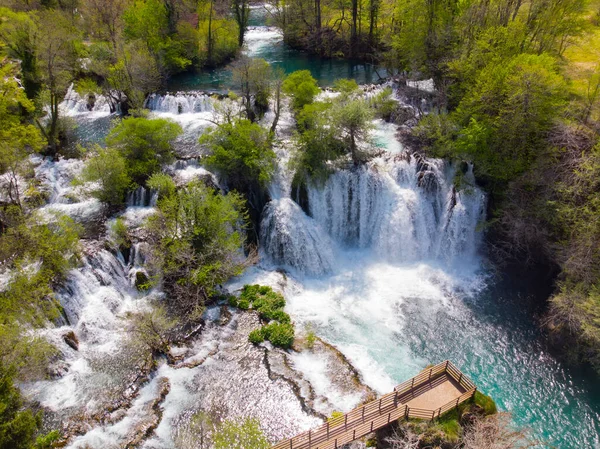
(266, 42)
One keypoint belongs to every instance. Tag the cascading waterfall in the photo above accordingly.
(291, 238)
(95, 104)
(180, 103)
(403, 207)
(142, 197)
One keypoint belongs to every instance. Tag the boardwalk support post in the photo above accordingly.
(309, 435)
(327, 429)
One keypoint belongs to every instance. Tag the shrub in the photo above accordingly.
(108, 168)
(280, 334)
(301, 87)
(145, 144)
(269, 305)
(242, 153)
(257, 336)
(244, 434)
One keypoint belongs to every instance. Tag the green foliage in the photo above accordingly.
(18, 139)
(311, 339)
(384, 105)
(269, 305)
(335, 416)
(257, 335)
(149, 22)
(241, 434)
(217, 35)
(242, 152)
(279, 334)
(17, 427)
(163, 184)
(145, 144)
(47, 441)
(151, 328)
(345, 86)
(331, 131)
(108, 168)
(253, 78)
(196, 239)
(301, 87)
(485, 402)
(521, 99)
(39, 255)
(120, 233)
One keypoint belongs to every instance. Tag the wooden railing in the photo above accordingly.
(377, 414)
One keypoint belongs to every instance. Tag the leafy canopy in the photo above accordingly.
(197, 237)
(242, 152)
(301, 87)
(145, 144)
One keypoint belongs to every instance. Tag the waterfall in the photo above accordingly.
(180, 103)
(292, 239)
(402, 207)
(74, 104)
(142, 197)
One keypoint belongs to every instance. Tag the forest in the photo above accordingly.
(517, 93)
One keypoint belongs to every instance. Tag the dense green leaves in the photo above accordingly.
(108, 168)
(503, 119)
(197, 238)
(145, 144)
(242, 152)
(301, 87)
(269, 306)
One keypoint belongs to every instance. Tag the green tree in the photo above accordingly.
(18, 34)
(241, 151)
(56, 50)
(152, 22)
(17, 426)
(196, 238)
(353, 119)
(301, 87)
(241, 14)
(253, 77)
(135, 73)
(507, 114)
(151, 328)
(145, 144)
(18, 139)
(241, 434)
(108, 168)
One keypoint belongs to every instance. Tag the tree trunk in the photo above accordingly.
(209, 56)
(353, 31)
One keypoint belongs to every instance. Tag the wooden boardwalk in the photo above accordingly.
(428, 395)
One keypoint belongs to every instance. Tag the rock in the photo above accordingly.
(71, 339)
(225, 316)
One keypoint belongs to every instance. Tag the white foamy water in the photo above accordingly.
(74, 105)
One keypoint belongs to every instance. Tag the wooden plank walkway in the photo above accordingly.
(428, 395)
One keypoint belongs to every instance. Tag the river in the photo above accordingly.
(386, 266)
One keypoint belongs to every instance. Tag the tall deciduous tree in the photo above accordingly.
(56, 54)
